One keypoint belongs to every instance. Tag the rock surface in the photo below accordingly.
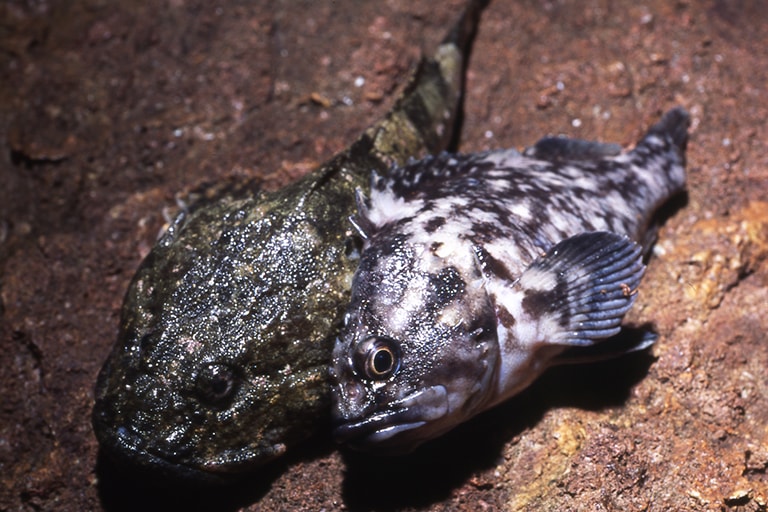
(111, 111)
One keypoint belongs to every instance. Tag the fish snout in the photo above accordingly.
(397, 427)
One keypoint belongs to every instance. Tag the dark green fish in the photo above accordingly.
(229, 323)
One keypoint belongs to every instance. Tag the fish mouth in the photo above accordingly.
(130, 452)
(134, 454)
(399, 428)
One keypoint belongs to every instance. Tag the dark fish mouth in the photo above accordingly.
(399, 428)
(131, 452)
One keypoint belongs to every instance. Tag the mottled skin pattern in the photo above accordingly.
(479, 271)
(228, 326)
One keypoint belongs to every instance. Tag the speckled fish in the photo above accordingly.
(481, 271)
(228, 326)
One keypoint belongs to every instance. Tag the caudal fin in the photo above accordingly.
(659, 161)
(673, 126)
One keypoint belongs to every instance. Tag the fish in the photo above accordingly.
(228, 326)
(481, 271)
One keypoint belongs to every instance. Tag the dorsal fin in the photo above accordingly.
(563, 148)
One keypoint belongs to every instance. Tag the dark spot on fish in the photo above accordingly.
(504, 317)
(493, 266)
(486, 232)
(434, 224)
(446, 286)
(413, 180)
(538, 303)
(395, 244)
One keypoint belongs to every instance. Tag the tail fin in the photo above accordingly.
(663, 148)
(673, 126)
(424, 118)
(463, 32)
(661, 155)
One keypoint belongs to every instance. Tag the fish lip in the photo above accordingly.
(395, 427)
(133, 453)
(131, 456)
(130, 452)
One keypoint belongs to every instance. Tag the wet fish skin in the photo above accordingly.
(228, 325)
(481, 271)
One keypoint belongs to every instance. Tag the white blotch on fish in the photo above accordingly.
(481, 271)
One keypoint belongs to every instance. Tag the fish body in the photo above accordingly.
(481, 271)
(227, 328)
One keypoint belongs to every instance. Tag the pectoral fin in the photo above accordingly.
(578, 292)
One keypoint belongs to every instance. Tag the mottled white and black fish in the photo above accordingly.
(481, 271)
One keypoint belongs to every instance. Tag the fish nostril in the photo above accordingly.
(350, 400)
(354, 391)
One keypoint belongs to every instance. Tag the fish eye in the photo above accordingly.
(378, 358)
(216, 383)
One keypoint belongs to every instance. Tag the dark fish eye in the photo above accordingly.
(378, 358)
(216, 383)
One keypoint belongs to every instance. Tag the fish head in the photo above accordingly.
(226, 334)
(418, 352)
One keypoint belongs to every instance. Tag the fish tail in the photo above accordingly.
(424, 118)
(660, 155)
(462, 34)
(659, 164)
(673, 126)
(453, 56)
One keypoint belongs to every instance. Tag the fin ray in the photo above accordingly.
(567, 149)
(580, 290)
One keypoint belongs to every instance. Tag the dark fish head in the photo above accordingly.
(418, 352)
(225, 340)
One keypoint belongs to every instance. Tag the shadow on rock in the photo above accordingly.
(428, 475)
(124, 488)
(606, 382)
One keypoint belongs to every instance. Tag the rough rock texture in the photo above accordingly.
(110, 111)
